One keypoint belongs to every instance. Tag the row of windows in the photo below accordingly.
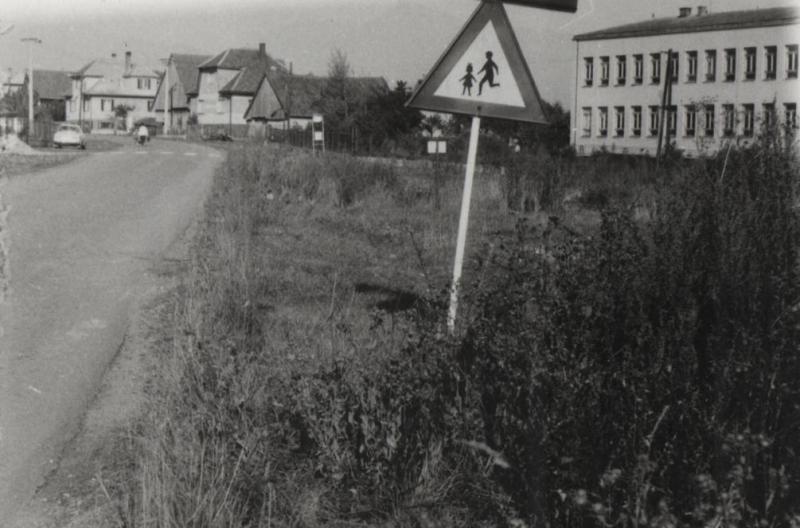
(733, 122)
(769, 56)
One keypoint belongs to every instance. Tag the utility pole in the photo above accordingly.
(31, 41)
(167, 98)
(666, 101)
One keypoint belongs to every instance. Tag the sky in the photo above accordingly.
(395, 39)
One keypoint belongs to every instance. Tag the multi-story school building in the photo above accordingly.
(728, 74)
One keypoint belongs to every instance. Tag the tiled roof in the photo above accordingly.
(51, 84)
(236, 59)
(107, 68)
(300, 95)
(723, 21)
(188, 67)
(101, 68)
(247, 80)
(185, 84)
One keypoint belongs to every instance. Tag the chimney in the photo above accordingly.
(702, 10)
(262, 49)
(127, 61)
(684, 12)
(290, 68)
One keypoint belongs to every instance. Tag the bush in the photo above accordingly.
(644, 374)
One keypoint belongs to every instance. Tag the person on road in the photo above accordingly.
(143, 134)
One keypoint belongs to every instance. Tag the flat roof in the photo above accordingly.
(694, 23)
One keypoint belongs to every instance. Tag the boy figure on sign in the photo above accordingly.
(489, 69)
(467, 80)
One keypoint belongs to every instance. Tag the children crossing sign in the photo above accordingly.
(482, 73)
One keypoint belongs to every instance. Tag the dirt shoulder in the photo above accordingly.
(76, 493)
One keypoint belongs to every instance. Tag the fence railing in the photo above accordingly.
(335, 141)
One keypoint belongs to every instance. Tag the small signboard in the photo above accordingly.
(437, 146)
(483, 73)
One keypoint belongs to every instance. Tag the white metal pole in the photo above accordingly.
(463, 222)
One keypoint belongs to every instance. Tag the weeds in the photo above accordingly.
(631, 373)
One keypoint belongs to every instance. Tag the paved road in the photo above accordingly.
(82, 237)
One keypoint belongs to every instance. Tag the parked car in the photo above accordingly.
(71, 135)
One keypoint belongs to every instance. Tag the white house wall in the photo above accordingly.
(211, 109)
(757, 92)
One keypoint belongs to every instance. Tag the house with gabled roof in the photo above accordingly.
(184, 72)
(291, 100)
(104, 84)
(228, 81)
(12, 82)
(51, 89)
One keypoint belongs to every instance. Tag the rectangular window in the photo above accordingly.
(655, 68)
(636, 130)
(708, 122)
(86, 104)
(730, 64)
(750, 64)
(690, 120)
(588, 71)
(638, 69)
(768, 115)
(102, 105)
(672, 120)
(674, 60)
(790, 115)
(791, 61)
(603, 131)
(730, 120)
(622, 67)
(748, 112)
(691, 66)
(711, 65)
(654, 113)
(143, 84)
(604, 73)
(587, 121)
(619, 114)
(771, 60)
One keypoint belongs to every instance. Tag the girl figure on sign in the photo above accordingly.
(467, 80)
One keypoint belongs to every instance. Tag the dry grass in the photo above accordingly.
(303, 270)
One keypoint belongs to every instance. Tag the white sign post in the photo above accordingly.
(463, 222)
(482, 74)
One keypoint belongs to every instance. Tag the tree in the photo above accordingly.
(386, 117)
(121, 111)
(336, 100)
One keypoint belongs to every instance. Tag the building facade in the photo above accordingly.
(227, 84)
(183, 76)
(105, 84)
(698, 81)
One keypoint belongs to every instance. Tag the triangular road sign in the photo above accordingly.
(482, 73)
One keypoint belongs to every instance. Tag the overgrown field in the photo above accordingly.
(627, 351)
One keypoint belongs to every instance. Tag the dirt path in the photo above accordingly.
(83, 241)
